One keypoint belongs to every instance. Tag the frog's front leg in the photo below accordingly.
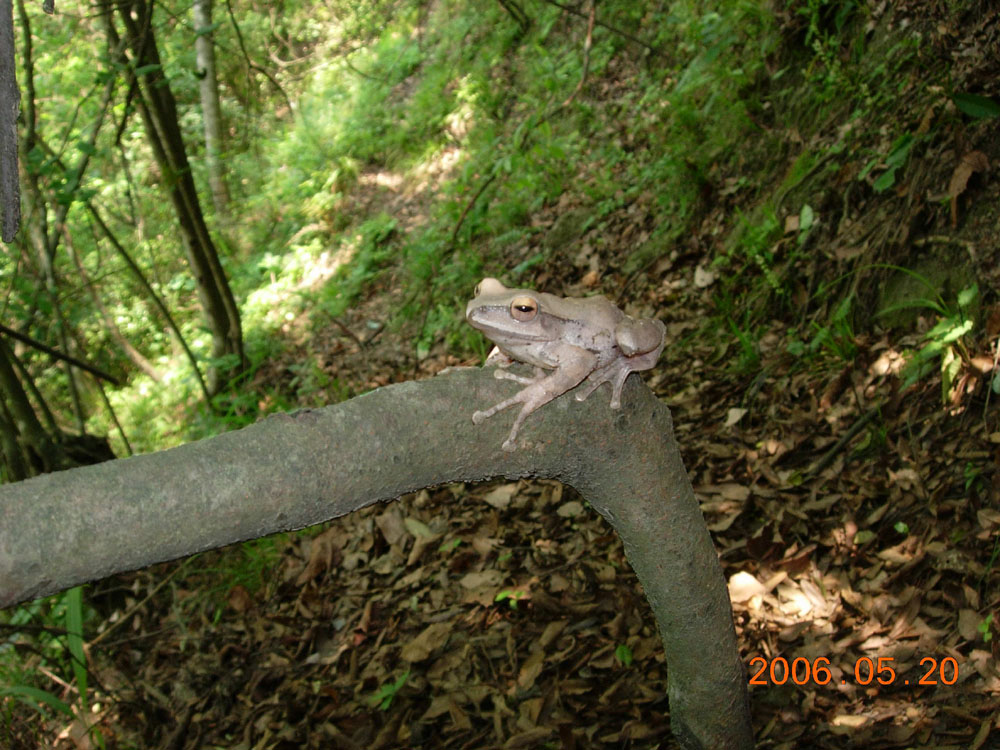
(501, 361)
(539, 392)
(508, 375)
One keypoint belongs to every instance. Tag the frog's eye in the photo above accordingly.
(523, 309)
(479, 288)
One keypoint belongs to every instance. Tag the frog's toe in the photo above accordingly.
(478, 417)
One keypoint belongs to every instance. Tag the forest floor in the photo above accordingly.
(856, 521)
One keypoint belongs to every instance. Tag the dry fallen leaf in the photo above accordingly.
(974, 161)
(743, 587)
(500, 497)
(968, 624)
(570, 510)
(431, 638)
(734, 415)
(703, 277)
(324, 554)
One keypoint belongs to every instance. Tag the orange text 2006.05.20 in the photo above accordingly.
(802, 671)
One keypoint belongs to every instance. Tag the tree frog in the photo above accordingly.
(580, 339)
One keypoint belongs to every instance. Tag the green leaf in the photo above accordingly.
(967, 297)
(806, 218)
(384, 695)
(885, 181)
(796, 348)
(624, 654)
(900, 151)
(984, 628)
(511, 596)
(36, 698)
(956, 332)
(74, 639)
(976, 106)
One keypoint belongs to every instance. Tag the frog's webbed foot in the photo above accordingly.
(616, 374)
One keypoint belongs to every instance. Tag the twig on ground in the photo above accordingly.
(829, 457)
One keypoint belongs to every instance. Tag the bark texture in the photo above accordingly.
(10, 100)
(211, 112)
(293, 470)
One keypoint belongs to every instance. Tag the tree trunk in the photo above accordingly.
(208, 89)
(159, 114)
(39, 453)
(10, 99)
(294, 470)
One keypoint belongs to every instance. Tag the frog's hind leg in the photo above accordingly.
(616, 374)
(617, 383)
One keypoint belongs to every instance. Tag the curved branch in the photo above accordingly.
(294, 470)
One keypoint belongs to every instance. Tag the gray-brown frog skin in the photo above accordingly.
(581, 340)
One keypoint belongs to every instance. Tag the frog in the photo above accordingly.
(572, 342)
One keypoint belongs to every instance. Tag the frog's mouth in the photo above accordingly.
(522, 334)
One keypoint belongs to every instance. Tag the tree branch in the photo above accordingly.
(609, 27)
(294, 470)
(55, 354)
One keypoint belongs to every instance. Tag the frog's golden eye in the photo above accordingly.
(523, 309)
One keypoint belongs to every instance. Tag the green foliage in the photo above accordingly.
(60, 651)
(368, 251)
(748, 361)
(757, 242)
(972, 474)
(944, 345)
(511, 596)
(73, 599)
(899, 152)
(978, 107)
(837, 336)
(449, 546)
(37, 699)
(825, 24)
(384, 695)
(984, 628)
(624, 654)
